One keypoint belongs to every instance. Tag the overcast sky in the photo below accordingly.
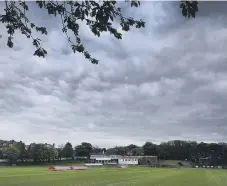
(167, 81)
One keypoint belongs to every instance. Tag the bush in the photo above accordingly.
(180, 164)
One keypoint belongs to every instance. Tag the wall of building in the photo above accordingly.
(103, 159)
(128, 161)
(105, 156)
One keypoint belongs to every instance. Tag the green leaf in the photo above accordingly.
(64, 29)
(118, 35)
(94, 61)
(87, 55)
(10, 42)
(40, 52)
(40, 4)
(36, 43)
(86, 12)
(32, 25)
(77, 12)
(184, 12)
(105, 13)
(80, 48)
(93, 13)
(189, 8)
(74, 48)
(193, 13)
(111, 17)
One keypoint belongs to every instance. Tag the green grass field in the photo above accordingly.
(137, 176)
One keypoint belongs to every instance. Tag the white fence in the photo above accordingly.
(111, 163)
(93, 164)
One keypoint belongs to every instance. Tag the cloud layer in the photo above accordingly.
(167, 81)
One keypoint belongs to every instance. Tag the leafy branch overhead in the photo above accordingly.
(98, 16)
(189, 8)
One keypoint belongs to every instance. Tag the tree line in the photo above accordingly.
(193, 151)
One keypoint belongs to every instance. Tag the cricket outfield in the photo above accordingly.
(136, 176)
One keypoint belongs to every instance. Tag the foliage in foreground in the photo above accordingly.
(98, 16)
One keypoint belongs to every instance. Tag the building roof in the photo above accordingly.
(94, 156)
(104, 157)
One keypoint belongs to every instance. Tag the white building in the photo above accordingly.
(115, 159)
(105, 159)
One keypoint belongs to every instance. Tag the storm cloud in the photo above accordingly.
(166, 81)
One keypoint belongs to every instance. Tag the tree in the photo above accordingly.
(121, 151)
(87, 146)
(84, 149)
(21, 147)
(117, 151)
(112, 151)
(59, 153)
(68, 151)
(38, 152)
(163, 151)
(104, 150)
(131, 146)
(98, 16)
(138, 151)
(52, 153)
(96, 150)
(1, 154)
(149, 149)
(44, 153)
(11, 153)
(81, 151)
(198, 153)
(32, 151)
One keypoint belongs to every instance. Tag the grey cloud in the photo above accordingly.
(210, 8)
(164, 82)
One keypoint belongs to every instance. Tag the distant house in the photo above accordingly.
(26, 147)
(105, 159)
(46, 144)
(49, 145)
(4, 144)
(11, 143)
